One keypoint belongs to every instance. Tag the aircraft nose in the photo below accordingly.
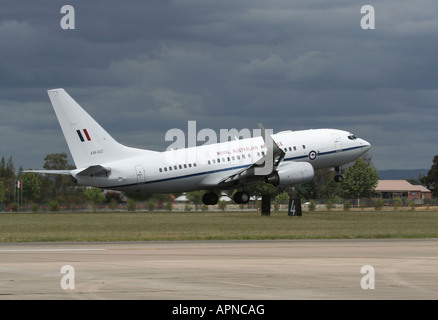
(365, 144)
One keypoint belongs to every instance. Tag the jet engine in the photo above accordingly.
(290, 174)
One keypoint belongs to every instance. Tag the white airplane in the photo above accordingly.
(283, 159)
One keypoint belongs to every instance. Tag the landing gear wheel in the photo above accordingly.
(210, 198)
(339, 178)
(241, 197)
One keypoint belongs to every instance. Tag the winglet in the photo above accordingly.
(274, 154)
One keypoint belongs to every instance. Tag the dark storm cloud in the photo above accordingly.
(143, 67)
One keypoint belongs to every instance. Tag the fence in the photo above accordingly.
(320, 205)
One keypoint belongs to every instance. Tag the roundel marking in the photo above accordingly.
(312, 155)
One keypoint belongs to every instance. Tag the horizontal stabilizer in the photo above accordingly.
(63, 172)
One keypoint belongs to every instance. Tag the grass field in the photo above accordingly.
(152, 226)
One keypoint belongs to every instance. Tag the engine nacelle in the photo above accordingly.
(291, 173)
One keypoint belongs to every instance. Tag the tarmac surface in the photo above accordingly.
(221, 270)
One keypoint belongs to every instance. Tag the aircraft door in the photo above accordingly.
(337, 141)
(140, 173)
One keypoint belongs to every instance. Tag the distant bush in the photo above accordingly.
(412, 205)
(329, 205)
(132, 205)
(312, 205)
(150, 205)
(397, 203)
(222, 205)
(54, 205)
(35, 208)
(113, 204)
(379, 204)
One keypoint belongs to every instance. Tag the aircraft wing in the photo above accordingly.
(254, 172)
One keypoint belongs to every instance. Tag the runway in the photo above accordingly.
(221, 270)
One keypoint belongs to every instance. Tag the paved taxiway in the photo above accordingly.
(403, 269)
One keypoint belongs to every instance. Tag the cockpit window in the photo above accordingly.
(352, 136)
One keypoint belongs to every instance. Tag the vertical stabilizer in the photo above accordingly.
(88, 142)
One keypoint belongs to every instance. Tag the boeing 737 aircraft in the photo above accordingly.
(283, 159)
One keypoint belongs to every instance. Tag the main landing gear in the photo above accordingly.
(241, 197)
(211, 198)
(338, 176)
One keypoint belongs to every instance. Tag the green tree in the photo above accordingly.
(132, 205)
(57, 184)
(2, 194)
(222, 204)
(113, 204)
(379, 204)
(431, 180)
(397, 203)
(360, 180)
(94, 195)
(31, 186)
(7, 175)
(261, 188)
(312, 205)
(195, 197)
(150, 205)
(282, 197)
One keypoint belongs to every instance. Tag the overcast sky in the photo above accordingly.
(142, 67)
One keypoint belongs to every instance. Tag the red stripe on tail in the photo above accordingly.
(86, 134)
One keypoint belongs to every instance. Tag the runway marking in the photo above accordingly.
(46, 250)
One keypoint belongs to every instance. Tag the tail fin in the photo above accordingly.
(88, 142)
